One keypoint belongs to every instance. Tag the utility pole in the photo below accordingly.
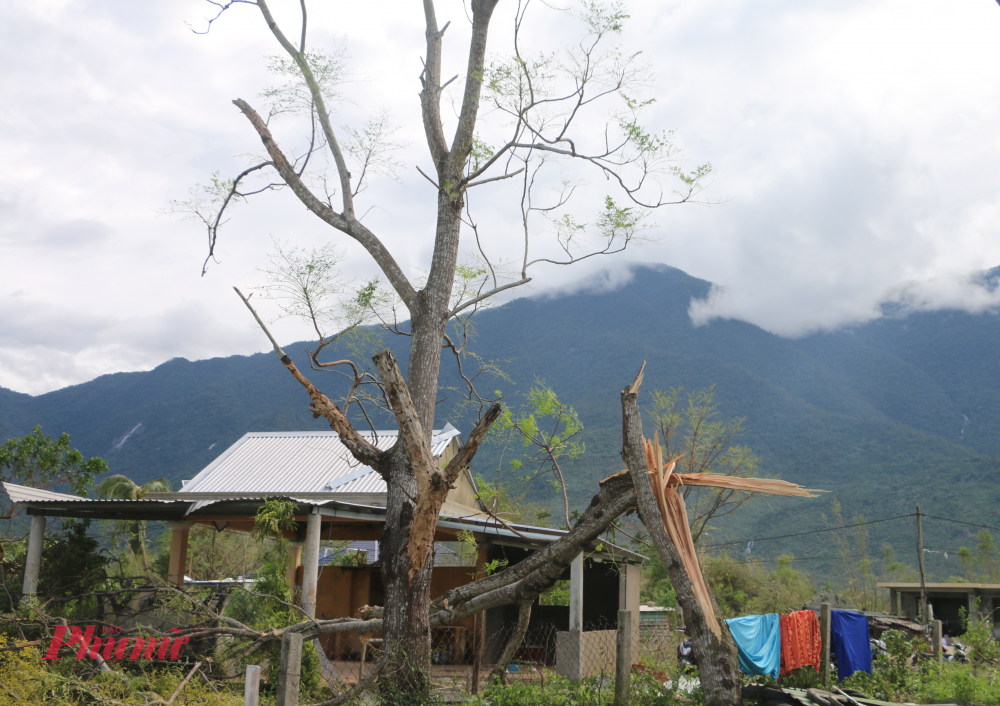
(920, 558)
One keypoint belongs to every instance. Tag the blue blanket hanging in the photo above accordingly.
(758, 639)
(849, 635)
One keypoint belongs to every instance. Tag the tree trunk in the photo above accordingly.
(406, 628)
(523, 617)
(718, 666)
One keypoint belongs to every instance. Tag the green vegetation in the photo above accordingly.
(38, 462)
(555, 690)
(123, 488)
(873, 415)
(28, 679)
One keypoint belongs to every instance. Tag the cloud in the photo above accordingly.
(854, 143)
(44, 347)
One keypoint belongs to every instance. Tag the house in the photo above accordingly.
(945, 600)
(337, 498)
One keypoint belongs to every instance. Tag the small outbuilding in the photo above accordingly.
(946, 599)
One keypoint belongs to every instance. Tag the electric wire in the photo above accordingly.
(959, 522)
(801, 534)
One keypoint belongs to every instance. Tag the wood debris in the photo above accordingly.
(770, 486)
(675, 522)
(675, 519)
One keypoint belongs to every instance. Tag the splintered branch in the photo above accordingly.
(322, 406)
(431, 484)
(464, 456)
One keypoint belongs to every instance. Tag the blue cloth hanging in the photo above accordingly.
(758, 639)
(849, 635)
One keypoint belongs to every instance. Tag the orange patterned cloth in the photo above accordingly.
(800, 640)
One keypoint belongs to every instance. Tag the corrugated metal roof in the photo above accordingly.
(298, 462)
(24, 494)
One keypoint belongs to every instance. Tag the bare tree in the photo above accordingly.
(536, 100)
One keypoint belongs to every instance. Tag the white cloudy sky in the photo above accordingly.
(856, 147)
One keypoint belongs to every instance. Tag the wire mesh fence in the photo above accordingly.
(543, 656)
(463, 661)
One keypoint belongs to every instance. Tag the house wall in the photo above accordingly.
(343, 591)
(464, 492)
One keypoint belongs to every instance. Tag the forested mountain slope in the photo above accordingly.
(897, 412)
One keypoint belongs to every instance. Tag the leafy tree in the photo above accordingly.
(689, 429)
(656, 586)
(983, 564)
(745, 587)
(134, 531)
(553, 429)
(71, 559)
(37, 461)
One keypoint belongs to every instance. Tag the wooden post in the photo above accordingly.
(251, 690)
(289, 669)
(478, 635)
(33, 560)
(178, 552)
(576, 594)
(920, 557)
(824, 654)
(936, 637)
(294, 562)
(623, 659)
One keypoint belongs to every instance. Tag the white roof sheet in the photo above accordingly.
(22, 493)
(298, 462)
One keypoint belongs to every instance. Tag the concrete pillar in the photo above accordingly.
(936, 639)
(310, 563)
(289, 669)
(629, 587)
(973, 610)
(569, 654)
(251, 687)
(294, 562)
(33, 560)
(893, 601)
(178, 551)
(576, 594)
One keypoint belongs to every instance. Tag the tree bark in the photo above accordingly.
(716, 657)
(417, 488)
(523, 617)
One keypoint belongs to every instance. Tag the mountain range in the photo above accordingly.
(887, 415)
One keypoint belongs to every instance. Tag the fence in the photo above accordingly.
(542, 657)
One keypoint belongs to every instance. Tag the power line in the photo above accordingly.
(828, 529)
(960, 522)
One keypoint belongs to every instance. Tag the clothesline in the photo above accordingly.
(774, 645)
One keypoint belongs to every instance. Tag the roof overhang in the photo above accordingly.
(181, 507)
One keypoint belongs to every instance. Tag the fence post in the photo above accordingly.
(824, 654)
(936, 638)
(289, 669)
(623, 658)
(478, 635)
(251, 690)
